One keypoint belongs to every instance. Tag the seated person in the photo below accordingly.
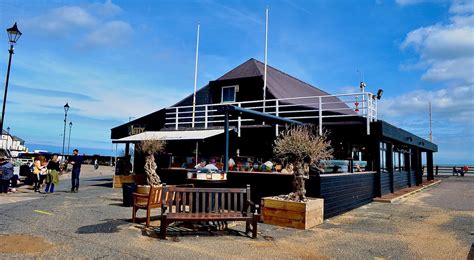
(211, 166)
(200, 165)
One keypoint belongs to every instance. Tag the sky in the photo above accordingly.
(116, 60)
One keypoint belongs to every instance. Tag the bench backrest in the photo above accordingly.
(155, 196)
(207, 200)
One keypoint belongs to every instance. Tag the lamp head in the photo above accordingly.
(66, 107)
(70, 124)
(379, 94)
(13, 34)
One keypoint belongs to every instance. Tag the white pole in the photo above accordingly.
(431, 129)
(265, 69)
(195, 74)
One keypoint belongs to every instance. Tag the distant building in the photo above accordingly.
(12, 143)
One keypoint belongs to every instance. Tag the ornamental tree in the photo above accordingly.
(302, 146)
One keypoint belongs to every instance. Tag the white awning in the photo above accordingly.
(170, 135)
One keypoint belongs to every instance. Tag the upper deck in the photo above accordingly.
(308, 109)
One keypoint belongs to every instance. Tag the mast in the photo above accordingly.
(265, 69)
(195, 76)
(431, 129)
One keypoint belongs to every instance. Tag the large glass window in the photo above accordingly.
(228, 94)
(396, 161)
(383, 157)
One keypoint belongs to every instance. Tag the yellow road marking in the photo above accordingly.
(42, 212)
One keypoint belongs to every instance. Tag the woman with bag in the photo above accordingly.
(39, 171)
(52, 178)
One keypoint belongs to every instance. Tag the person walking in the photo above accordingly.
(6, 173)
(76, 161)
(52, 178)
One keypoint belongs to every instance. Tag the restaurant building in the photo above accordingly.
(371, 156)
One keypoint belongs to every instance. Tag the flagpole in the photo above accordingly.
(195, 75)
(265, 69)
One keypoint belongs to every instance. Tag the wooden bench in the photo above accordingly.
(151, 200)
(209, 204)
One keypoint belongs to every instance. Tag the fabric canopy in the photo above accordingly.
(170, 135)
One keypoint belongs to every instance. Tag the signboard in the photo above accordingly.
(136, 129)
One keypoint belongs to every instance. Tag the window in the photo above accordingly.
(228, 94)
(383, 157)
(396, 161)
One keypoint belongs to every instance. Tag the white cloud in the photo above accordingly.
(408, 2)
(91, 23)
(446, 50)
(415, 2)
(106, 9)
(62, 19)
(454, 104)
(462, 6)
(109, 34)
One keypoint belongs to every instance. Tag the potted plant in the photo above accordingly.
(301, 147)
(149, 148)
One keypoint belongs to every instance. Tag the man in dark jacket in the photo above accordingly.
(76, 161)
(6, 173)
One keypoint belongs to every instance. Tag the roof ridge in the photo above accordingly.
(288, 75)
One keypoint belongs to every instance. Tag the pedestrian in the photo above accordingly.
(52, 178)
(76, 161)
(6, 173)
(39, 171)
(96, 164)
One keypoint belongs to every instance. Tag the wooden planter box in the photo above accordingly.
(122, 179)
(301, 215)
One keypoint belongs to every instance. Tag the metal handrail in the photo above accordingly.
(184, 116)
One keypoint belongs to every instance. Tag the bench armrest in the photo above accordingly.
(140, 195)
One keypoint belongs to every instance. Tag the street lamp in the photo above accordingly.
(69, 140)
(8, 134)
(13, 36)
(66, 108)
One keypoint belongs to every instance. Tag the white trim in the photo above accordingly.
(235, 93)
(170, 135)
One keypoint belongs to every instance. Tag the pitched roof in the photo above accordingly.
(282, 85)
(18, 138)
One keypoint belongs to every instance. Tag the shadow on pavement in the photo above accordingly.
(193, 230)
(109, 226)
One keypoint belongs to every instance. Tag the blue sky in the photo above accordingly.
(112, 60)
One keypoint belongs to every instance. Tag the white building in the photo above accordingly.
(13, 143)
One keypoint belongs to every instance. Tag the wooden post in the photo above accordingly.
(408, 168)
(226, 132)
(390, 164)
(376, 168)
(429, 165)
(437, 170)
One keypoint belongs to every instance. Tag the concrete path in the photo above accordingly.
(436, 223)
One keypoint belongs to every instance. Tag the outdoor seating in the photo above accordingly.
(208, 204)
(150, 201)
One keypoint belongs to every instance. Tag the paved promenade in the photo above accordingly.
(437, 223)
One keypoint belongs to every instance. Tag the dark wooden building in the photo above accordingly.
(390, 157)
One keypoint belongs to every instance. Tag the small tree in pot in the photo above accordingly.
(301, 146)
(149, 148)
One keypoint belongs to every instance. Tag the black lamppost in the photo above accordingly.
(8, 134)
(69, 140)
(66, 108)
(13, 36)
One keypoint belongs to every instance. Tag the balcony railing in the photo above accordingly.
(304, 109)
